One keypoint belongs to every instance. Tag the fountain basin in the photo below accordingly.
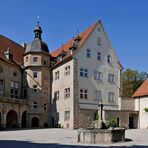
(101, 135)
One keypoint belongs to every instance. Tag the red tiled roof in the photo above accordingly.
(84, 35)
(142, 90)
(16, 49)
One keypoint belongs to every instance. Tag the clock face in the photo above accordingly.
(1, 70)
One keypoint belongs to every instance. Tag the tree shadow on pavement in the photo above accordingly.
(22, 144)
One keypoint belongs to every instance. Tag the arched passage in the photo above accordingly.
(24, 119)
(12, 119)
(35, 122)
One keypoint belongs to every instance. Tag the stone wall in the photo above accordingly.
(128, 104)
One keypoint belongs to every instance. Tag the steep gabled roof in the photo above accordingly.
(142, 90)
(16, 49)
(84, 35)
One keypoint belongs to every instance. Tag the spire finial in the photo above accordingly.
(38, 20)
(38, 30)
(77, 31)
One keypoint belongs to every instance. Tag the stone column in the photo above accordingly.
(4, 116)
(19, 117)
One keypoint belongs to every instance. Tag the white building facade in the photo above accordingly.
(93, 74)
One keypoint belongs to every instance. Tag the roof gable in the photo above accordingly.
(84, 35)
(16, 49)
(142, 90)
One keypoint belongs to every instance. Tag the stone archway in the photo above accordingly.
(12, 119)
(24, 119)
(35, 122)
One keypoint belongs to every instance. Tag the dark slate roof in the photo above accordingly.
(37, 45)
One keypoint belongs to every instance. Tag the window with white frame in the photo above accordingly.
(67, 92)
(109, 59)
(1, 87)
(98, 95)
(35, 88)
(57, 95)
(35, 59)
(111, 77)
(66, 115)
(67, 70)
(35, 74)
(111, 97)
(45, 106)
(98, 75)
(83, 94)
(83, 72)
(99, 56)
(34, 104)
(57, 75)
(99, 41)
(14, 91)
(88, 54)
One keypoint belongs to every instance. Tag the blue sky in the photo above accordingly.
(125, 21)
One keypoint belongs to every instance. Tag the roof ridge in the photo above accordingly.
(84, 34)
(142, 90)
(11, 40)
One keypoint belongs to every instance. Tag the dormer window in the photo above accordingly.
(88, 54)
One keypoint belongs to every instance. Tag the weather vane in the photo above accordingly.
(77, 31)
(38, 18)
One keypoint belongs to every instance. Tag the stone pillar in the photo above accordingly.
(4, 116)
(19, 121)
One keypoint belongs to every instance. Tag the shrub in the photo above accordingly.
(146, 109)
(112, 122)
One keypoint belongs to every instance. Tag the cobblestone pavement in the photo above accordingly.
(65, 138)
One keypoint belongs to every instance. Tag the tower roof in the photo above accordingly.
(37, 45)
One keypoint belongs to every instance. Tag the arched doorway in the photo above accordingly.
(35, 122)
(24, 119)
(12, 119)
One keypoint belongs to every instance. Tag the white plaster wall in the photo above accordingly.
(143, 116)
(137, 104)
(93, 64)
(62, 105)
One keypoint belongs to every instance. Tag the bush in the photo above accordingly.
(146, 109)
(112, 122)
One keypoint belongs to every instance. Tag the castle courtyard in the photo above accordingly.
(65, 138)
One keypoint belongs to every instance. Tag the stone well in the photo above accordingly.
(101, 135)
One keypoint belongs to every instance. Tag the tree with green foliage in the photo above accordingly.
(131, 81)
